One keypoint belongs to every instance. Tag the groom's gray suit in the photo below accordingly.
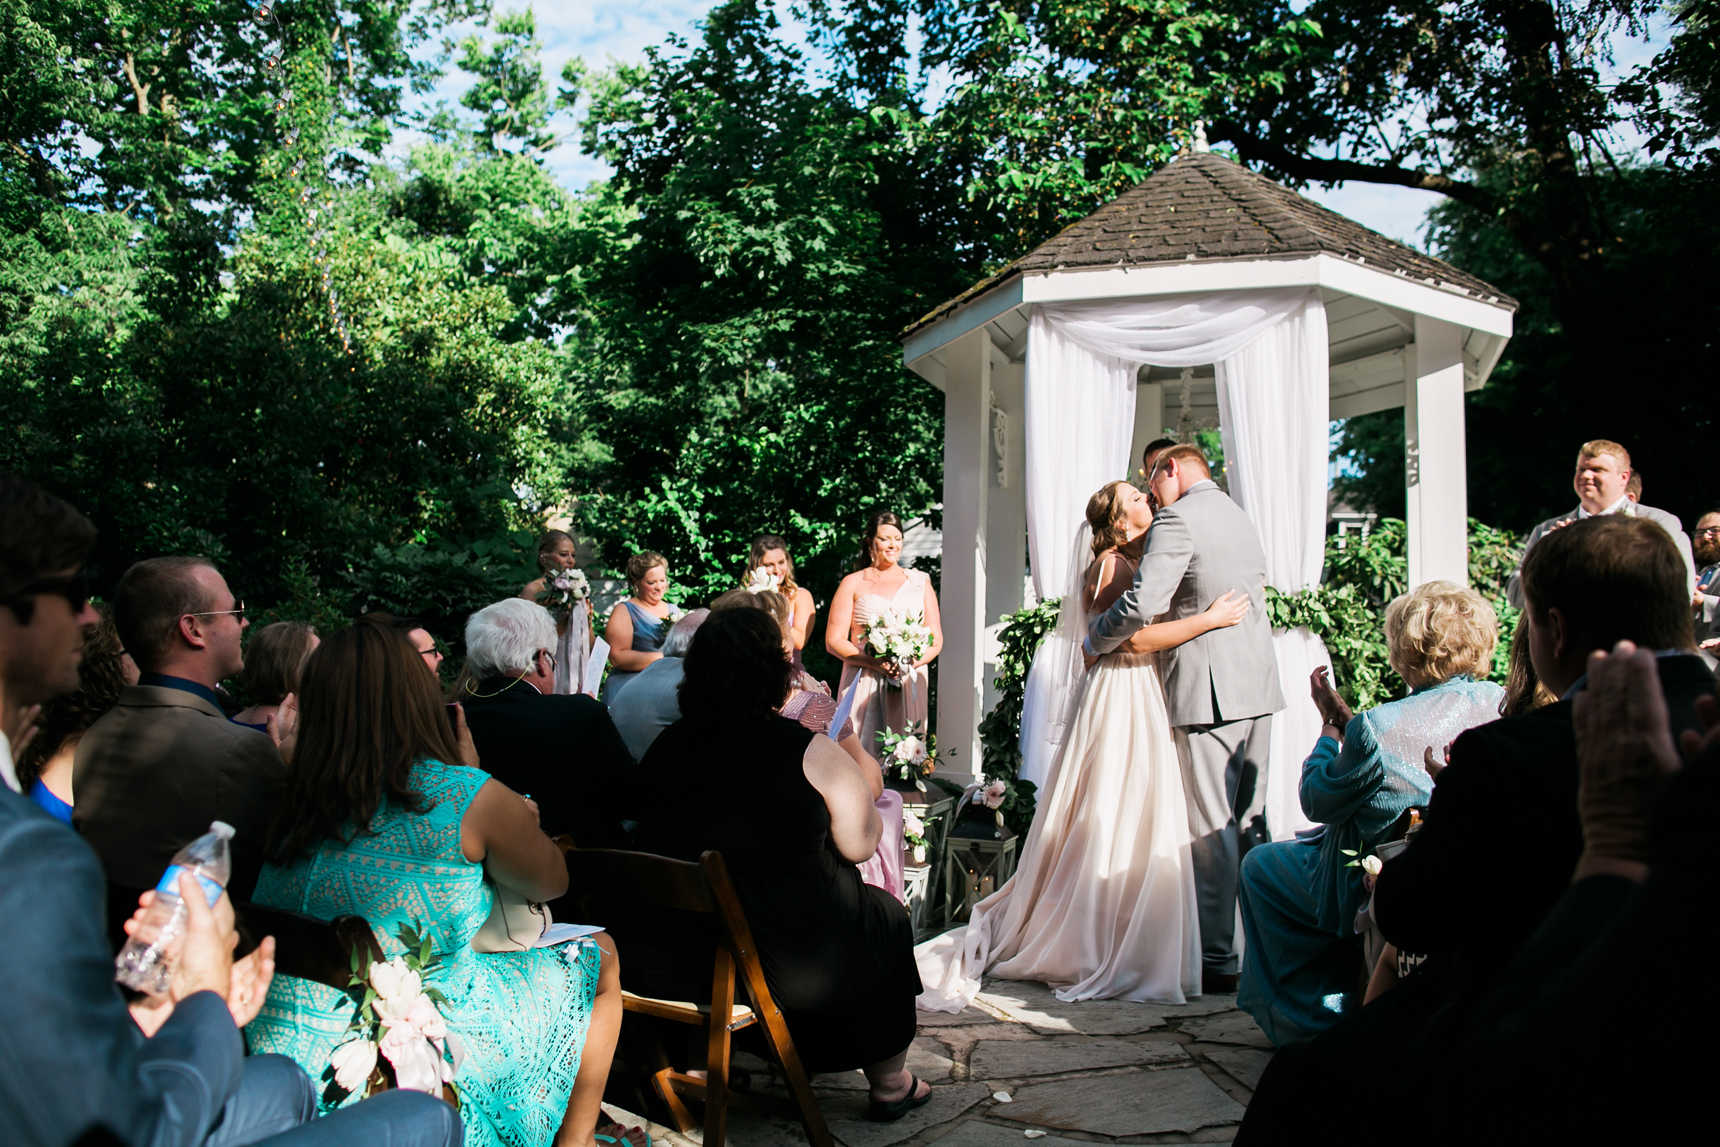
(1220, 689)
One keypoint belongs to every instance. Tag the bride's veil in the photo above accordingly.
(1053, 681)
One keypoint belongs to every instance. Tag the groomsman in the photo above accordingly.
(1602, 483)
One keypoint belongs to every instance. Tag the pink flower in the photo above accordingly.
(992, 795)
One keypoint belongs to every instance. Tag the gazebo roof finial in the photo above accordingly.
(1200, 144)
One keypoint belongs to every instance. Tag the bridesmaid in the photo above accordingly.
(770, 553)
(637, 626)
(887, 695)
(575, 634)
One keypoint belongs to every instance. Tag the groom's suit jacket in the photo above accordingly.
(1197, 548)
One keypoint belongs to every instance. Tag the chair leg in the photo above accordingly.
(811, 1118)
(678, 1113)
(717, 1052)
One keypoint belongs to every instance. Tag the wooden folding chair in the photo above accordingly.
(704, 888)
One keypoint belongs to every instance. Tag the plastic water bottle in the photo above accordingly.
(143, 963)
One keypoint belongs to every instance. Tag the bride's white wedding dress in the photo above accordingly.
(1102, 903)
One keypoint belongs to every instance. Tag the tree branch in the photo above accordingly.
(142, 90)
(1320, 170)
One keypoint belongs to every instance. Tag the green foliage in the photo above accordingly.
(442, 583)
(737, 369)
(1347, 609)
(1000, 731)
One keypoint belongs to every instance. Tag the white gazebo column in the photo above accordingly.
(1005, 513)
(1436, 471)
(967, 481)
(1149, 420)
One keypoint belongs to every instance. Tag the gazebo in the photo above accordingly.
(1206, 295)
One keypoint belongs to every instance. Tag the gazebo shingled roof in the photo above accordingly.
(1203, 206)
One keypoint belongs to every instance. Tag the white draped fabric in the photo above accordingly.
(1082, 359)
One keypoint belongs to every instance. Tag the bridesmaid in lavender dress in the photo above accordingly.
(888, 695)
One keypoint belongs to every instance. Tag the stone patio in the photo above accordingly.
(1020, 1061)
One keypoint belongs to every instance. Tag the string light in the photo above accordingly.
(273, 62)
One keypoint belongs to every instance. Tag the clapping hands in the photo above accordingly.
(1333, 710)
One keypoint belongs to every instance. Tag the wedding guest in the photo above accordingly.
(653, 701)
(638, 625)
(1149, 459)
(1705, 549)
(889, 694)
(77, 1067)
(1300, 897)
(770, 554)
(1524, 692)
(838, 954)
(562, 750)
(419, 638)
(382, 818)
(1633, 488)
(575, 636)
(1457, 894)
(1603, 474)
(273, 660)
(45, 764)
(158, 767)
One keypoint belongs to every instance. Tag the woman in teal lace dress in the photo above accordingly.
(376, 822)
(1299, 898)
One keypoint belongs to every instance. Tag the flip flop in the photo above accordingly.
(622, 1141)
(890, 1112)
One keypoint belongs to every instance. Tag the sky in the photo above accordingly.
(601, 30)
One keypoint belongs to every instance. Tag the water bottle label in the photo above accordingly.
(170, 883)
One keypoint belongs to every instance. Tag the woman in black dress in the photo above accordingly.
(792, 815)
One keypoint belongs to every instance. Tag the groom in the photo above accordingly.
(1220, 688)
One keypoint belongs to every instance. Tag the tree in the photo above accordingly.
(736, 358)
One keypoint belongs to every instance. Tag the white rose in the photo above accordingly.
(1372, 865)
(353, 1062)
(394, 980)
(911, 749)
(912, 825)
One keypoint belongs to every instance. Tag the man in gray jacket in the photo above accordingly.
(1603, 473)
(1220, 688)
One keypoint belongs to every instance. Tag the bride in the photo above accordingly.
(1102, 905)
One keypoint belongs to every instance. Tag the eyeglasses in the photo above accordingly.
(1710, 532)
(237, 611)
(550, 657)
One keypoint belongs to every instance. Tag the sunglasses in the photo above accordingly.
(237, 611)
(75, 588)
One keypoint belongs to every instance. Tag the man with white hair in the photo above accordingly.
(560, 750)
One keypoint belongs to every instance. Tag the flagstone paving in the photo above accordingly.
(1102, 1071)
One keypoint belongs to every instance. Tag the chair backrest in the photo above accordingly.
(641, 877)
(311, 949)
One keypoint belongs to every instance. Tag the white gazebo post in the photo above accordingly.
(1435, 456)
(967, 481)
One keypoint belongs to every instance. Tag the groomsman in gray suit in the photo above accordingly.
(1221, 689)
(1602, 484)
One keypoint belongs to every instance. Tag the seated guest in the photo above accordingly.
(652, 702)
(562, 750)
(381, 819)
(1501, 834)
(1300, 897)
(416, 634)
(77, 1067)
(792, 815)
(157, 768)
(45, 765)
(1524, 692)
(272, 663)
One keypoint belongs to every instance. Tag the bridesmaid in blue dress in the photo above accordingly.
(386, 816)
(638, 626)
(1302, 960)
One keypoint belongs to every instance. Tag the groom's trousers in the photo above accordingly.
(1224, 780)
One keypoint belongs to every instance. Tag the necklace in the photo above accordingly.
(486, 696)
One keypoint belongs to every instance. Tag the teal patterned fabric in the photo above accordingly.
(522, 1016)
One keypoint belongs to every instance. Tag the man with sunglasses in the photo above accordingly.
(155, 770)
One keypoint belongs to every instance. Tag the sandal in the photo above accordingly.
(881, 1112)
(620, 1140)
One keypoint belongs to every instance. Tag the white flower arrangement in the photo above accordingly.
(897, 637)
(991, 796)
(399, 1018)
(761, 580)
(562, 590)
(914, 833)
(909, 755)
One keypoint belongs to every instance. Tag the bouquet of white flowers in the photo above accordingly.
(562, 590)
(902, 638)
(399, 1017)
